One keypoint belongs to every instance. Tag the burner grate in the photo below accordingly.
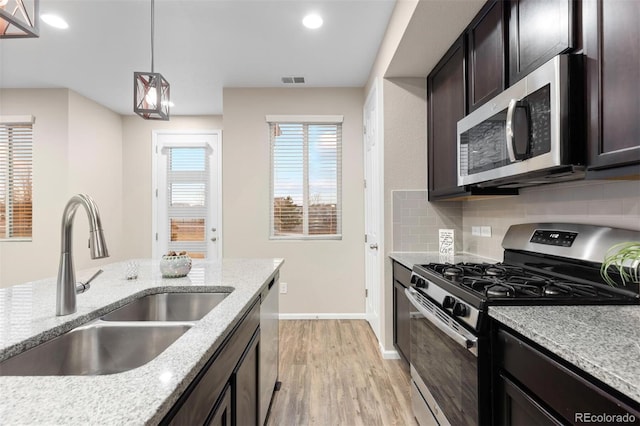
(501, 280)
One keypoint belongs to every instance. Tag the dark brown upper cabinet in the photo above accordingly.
(485, 59)
(538, 31)
(611, 31)
(446, 101)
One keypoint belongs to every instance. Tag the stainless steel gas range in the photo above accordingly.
(544, 264)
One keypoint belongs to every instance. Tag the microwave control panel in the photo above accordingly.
(554, 238)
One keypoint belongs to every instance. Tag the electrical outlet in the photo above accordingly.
(485, 231)
(283, 288)
(475, 231)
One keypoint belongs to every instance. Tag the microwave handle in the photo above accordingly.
(510, 141)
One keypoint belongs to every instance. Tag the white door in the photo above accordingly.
(373, 180)
(187, 193)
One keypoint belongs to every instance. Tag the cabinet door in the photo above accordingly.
(516, 407)
(485, 57)
(246, 386)
(538, 31)
(612, 37)
(221, 416)
(401, 330)
(446, 105)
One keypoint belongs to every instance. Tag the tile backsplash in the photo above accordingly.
(416, 221)
(608, 203)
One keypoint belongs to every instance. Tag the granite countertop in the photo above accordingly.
(139, 396)
(603, 341)
(409, 259)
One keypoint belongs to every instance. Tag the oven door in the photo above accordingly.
(444, 364)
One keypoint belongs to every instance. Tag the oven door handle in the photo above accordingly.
(469, 344)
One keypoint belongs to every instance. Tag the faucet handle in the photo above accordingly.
(82, 287)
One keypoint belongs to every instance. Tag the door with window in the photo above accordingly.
(187, 194)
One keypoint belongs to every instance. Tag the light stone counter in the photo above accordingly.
(603, 341)
(139, 396)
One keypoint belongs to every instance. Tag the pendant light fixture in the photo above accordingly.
(19, 18)
(150, 89)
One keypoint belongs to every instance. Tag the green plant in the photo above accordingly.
(625, 257)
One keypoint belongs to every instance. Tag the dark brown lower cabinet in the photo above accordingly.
(401, 330)
(232, 369)
(536, 387)
(401, 310)
(221, 415)
(245, 389)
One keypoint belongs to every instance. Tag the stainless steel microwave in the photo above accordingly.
(527, 135)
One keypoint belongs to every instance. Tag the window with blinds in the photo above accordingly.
(188, 189)
(306, 180)
(16, 178)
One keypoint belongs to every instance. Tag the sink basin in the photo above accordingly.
(167, 307)
(95, 348)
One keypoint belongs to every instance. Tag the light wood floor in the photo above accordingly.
(332, 373)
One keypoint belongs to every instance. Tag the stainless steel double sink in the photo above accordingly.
(121, 340)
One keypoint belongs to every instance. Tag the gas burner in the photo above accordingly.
(453, 273)
(495, 271)
(499, 290)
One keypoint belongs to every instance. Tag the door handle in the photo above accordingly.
(373, 246)
(214, 239)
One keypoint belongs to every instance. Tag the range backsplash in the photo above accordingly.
(416, 221)
(615, 203)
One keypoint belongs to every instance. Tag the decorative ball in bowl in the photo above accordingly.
(175, 265)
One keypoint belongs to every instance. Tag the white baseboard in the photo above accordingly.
(392, 354)
(321, 316)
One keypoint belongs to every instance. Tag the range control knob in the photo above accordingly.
(448, 302)
(460, 310)
(418, 281)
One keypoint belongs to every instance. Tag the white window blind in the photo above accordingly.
(16, 175)
(306, 180)
(188, 199)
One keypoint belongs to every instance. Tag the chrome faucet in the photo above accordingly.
(67, 289)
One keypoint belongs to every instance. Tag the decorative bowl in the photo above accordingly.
(175, 266)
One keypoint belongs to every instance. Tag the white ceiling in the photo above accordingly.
(201, 46)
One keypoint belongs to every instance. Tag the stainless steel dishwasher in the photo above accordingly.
(269, 336)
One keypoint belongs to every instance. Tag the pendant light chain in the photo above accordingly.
(151, 97)
(152, 19)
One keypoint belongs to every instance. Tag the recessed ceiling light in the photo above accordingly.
(54, 20)
(312, 21)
